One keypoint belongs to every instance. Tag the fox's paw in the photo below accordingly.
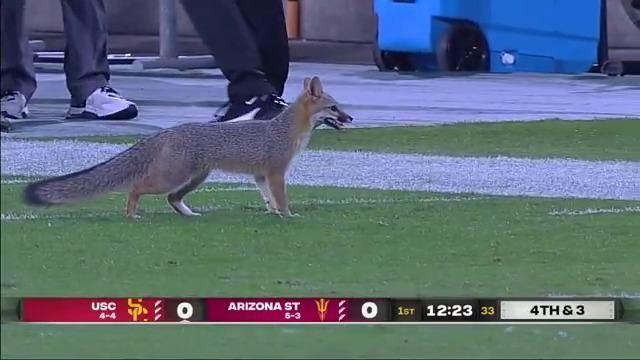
(181, 208)
(278, 213)
(270, 208)
(289, 214)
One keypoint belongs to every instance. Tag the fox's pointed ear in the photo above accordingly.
(315, 87)
(307, 85)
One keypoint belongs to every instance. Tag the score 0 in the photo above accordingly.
(184, 310)
(369, 310)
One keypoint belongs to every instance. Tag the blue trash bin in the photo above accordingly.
(549, 36)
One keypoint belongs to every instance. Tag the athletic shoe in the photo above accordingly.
(264, 107)
(13, 105)
(104, 104)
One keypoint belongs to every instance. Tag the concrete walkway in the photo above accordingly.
(168, 97)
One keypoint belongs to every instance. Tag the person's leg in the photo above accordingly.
(18, 79)
(268, 25)
(86, 65)
(226, 32)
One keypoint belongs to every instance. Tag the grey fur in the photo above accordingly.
(178, 159)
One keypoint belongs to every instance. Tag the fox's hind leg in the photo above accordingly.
(263, 187)
(176, 198)
(133, 200)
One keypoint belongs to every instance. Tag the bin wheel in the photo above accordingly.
(392, 61)
(463, 47)
(5, 125)
(612, 68)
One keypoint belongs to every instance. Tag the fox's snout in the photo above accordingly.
(344, 117)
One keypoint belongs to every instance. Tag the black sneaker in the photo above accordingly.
(264, 107)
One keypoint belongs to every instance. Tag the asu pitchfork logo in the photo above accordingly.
(322, 306)
(136, 309)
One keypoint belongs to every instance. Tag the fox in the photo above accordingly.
(176, 160)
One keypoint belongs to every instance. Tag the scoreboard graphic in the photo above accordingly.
(154, 310)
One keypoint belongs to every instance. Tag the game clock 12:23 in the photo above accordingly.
(449, 311)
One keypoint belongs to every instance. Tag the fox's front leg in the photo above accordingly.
(265, 192)
(132, 204)
(279, 194)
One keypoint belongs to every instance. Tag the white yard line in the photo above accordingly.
(13, 181)
(593, 211)
(360, 201)
(555, 178)
(239, 188)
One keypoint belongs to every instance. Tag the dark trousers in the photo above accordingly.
(249, 41)
(85, 61)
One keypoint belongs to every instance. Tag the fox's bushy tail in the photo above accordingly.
(116, 173)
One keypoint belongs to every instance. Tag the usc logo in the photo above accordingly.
(136, 309)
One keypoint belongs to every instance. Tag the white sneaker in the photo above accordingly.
(105, 104)
(13, 105)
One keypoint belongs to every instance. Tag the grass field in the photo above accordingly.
(349, 242)
(596, 140)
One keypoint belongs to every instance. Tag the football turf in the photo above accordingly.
(349, 242)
